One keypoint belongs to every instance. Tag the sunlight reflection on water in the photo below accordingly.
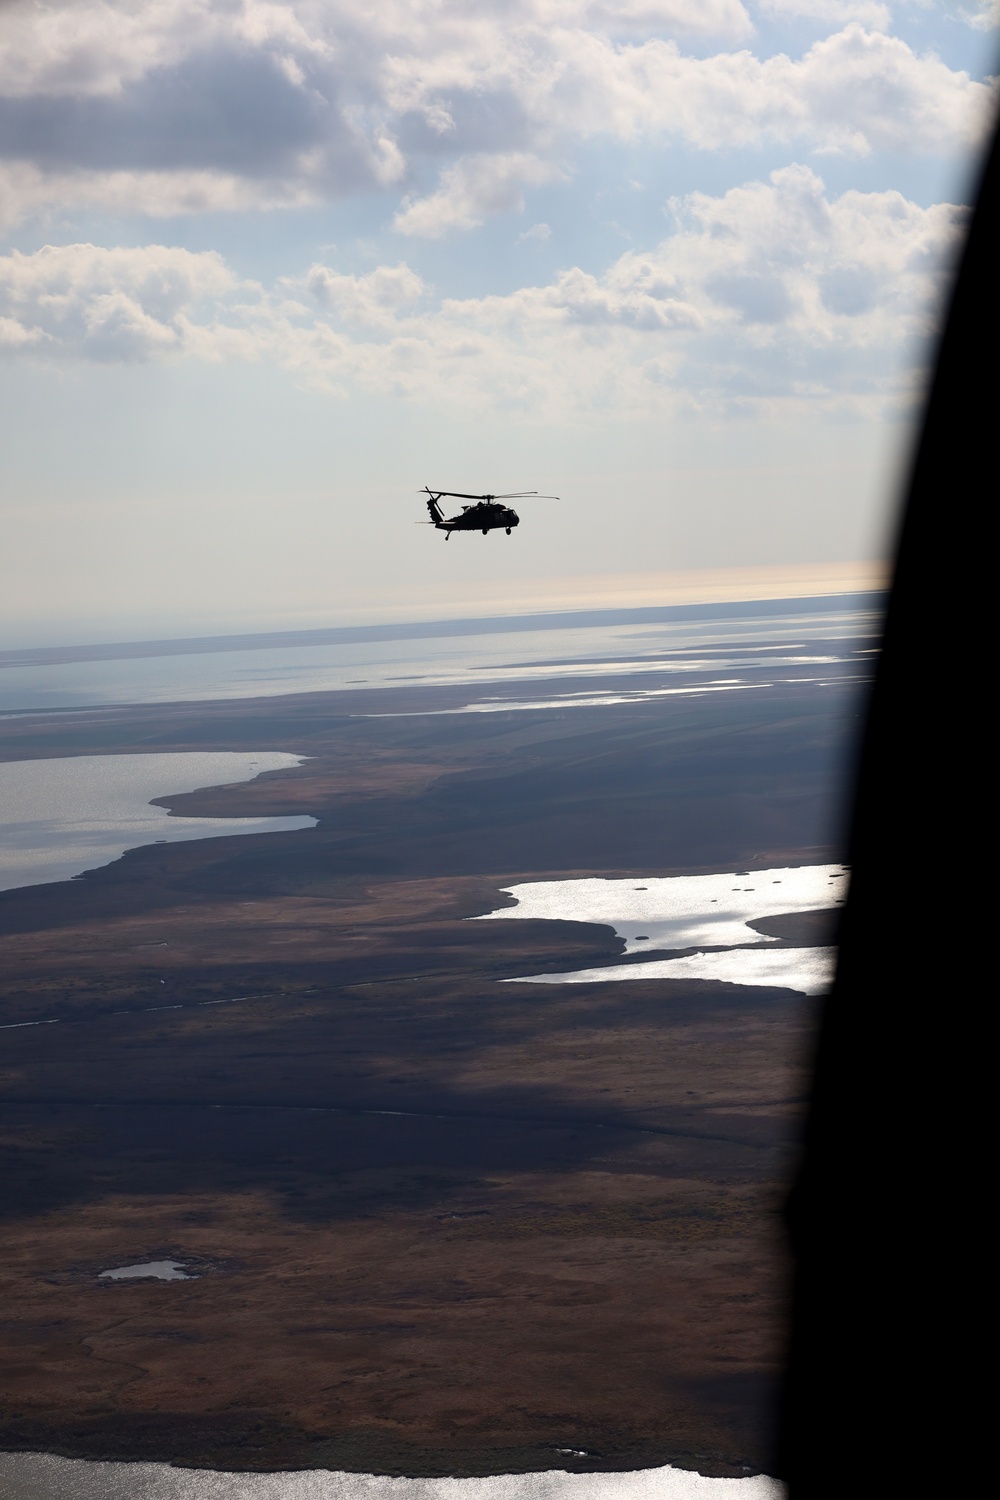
(678, 647)
(680, 911)
(41, 1476)
(807, 970)
(692, 911)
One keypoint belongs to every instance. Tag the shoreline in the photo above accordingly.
(381, 1455)
(47, 1478)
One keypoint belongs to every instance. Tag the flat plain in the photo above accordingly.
(435, 1224)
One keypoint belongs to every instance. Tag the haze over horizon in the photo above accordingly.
(267, 268)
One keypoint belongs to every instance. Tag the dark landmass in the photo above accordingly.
(439, 1225)
(801, 929)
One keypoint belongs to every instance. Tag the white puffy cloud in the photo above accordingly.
(854, 91)
(90, 48)
(14, 335)
(375, 299)
(770, 292)
(99, 46)
(117, 304)
(472, 189)
(167, 106)
(856, 272)
(985, 16)
(26, 190)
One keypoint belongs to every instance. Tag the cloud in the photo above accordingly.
(14, 335)
(375, 299)
(475, 187)
(98, 47)
(107, 304)
(94, 48)
(854, 91)
(185, 105)
(26, 190)
(985, 17)
(768, 293)
(538, 234)
(868, 91)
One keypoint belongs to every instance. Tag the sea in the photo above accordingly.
(517, 654)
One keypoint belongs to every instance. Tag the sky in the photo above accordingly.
(269, 266)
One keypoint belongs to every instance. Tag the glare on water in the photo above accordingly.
(38, 1476)
(679, 912)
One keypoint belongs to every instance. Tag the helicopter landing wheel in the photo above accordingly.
(508, 531)
(486, 531)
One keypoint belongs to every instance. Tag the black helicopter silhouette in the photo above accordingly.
(486, 515)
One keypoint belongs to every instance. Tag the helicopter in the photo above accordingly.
(485, 516)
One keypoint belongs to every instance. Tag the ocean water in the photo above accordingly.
(787, 638)
(42, 1476)
(62, 816)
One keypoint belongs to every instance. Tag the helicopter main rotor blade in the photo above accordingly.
(454, 495)
(461, 495)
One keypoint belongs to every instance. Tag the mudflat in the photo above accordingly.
(434, 1224)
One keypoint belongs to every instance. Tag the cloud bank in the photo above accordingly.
(771, 292)
(162, 107)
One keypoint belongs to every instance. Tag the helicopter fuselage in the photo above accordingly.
(486, 516)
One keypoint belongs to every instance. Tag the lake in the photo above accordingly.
(62, 816)
(677, 912)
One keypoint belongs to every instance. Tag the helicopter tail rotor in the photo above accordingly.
(433, 507)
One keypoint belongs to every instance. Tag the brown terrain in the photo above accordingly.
(434, 1223)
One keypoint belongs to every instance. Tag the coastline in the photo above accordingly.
(47, 1477)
